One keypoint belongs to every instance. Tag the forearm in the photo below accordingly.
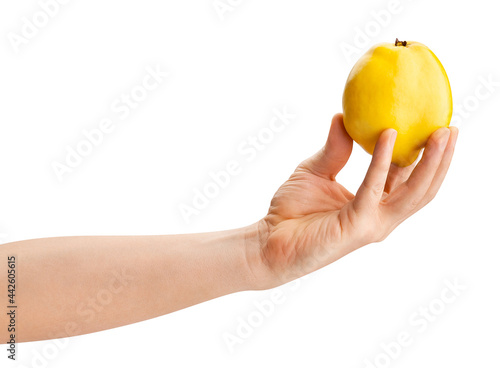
(77, 285)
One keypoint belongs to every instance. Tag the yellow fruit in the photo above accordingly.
(399, 85)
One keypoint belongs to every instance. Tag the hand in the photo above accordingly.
(313, 220)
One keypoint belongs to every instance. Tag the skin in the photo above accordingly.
(70, 286)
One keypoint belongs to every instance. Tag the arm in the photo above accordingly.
(76, 285)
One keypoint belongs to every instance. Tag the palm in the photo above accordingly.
(306, 212)
(308, 194)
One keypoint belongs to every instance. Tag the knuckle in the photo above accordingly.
(378, 188)
(375, 189)
(433, 142)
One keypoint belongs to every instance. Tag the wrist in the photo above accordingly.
(259, 275)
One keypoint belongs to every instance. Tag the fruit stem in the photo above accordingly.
(399, 43)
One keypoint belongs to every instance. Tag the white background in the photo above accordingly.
(226, 76)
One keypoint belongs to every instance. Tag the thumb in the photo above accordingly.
(328, 161)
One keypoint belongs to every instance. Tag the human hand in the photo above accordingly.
(313, 220)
